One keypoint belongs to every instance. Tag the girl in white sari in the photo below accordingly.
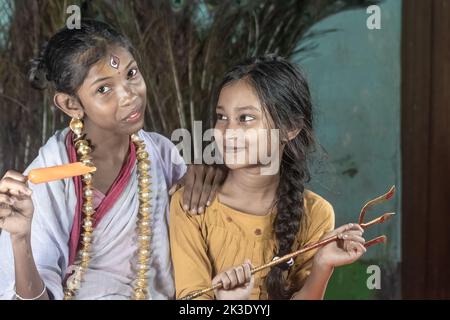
(51, 245)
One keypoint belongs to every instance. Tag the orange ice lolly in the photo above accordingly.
(69, 170)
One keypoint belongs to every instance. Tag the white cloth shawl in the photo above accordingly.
(112, 267)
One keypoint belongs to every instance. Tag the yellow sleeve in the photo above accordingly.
(320, 221)
(191, 264)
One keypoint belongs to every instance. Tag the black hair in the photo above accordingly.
(285, 97)
(67, 57)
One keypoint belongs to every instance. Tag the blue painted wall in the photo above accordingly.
(355, 79)
(6, 9)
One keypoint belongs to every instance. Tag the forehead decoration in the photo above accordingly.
(114, 61)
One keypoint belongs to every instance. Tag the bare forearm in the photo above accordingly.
(316, 284)
(28, 281)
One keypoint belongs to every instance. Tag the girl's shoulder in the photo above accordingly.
(52, 153)
(163, 147)
(180, 216)
(156, 139)
(313, 199)
(176, 200)
(317, 209)
(166, 154)
(176, 204)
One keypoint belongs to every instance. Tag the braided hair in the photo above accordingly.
(285, 97)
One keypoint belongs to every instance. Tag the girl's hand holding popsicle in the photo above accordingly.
(16, 207)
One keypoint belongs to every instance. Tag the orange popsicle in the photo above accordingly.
(69, 170)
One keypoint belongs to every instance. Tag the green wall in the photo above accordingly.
(354, 74)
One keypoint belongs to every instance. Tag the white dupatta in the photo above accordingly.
(112, 267)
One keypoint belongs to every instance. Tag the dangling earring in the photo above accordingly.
(80, 142)
(76, 125)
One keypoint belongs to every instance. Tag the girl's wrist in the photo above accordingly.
(20, 240)
(322, 266)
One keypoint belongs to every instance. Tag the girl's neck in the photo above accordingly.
(248, 183)
(107, 146)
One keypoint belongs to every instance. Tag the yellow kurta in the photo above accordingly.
(204, 245)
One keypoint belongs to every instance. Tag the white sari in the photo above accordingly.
(112, 267)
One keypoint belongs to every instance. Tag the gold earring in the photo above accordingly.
(76, 125)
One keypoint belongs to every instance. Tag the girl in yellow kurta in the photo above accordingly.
(262, 210)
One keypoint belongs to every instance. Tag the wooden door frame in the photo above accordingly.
(425, 140)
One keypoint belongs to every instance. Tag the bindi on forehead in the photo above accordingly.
(114, 61)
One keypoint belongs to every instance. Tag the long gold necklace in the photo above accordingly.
(140, 286)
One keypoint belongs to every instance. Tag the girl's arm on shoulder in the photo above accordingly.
(200, 181)
(200, 184)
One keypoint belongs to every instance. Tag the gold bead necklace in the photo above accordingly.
(140, 286)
